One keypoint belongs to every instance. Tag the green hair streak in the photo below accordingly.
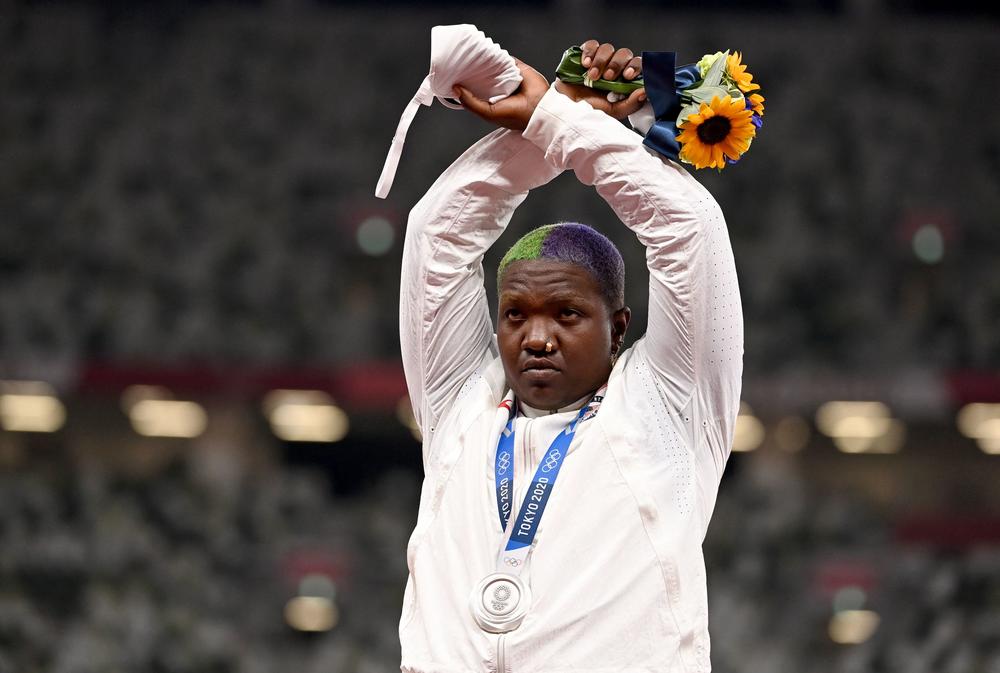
(528, 246)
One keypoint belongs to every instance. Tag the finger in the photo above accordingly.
(530, 78)
(633, 68)
(600, 62)
(595, 98)
(473, 103)
(588, 49)
(624, 108)
(617, 63)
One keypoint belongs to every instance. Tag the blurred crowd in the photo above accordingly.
(182, 571)
(189, 186)
(788, 565)
(178, 571)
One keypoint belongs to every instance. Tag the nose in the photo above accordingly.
(537, 335)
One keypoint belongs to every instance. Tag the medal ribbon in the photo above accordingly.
(522, 533)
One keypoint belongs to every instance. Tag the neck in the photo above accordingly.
(532, 412)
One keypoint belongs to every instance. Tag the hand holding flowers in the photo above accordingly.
(706, 114)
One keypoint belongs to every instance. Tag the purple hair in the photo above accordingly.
(577, 244)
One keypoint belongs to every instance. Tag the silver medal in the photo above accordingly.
(499, 602)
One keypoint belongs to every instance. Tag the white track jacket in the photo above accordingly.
(616, 571)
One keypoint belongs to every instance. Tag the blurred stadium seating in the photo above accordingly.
(186, 202)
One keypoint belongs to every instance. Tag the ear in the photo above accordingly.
(619, 325)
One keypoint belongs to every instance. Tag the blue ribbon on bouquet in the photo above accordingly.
(664, 83)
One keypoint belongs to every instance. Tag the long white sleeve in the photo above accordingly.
(694, 340)
(444, 322)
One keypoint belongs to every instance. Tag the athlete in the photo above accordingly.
(568, 482)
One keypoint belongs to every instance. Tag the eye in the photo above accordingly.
(512, 314)
(567, 312)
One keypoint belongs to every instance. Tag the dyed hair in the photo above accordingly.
(577, 244)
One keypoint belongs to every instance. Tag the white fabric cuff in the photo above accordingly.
(642, 119)
(460, 54)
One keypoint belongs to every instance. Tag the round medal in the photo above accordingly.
(499, 602)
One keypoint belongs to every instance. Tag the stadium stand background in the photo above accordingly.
(186, 212)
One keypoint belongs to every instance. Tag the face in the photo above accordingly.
(547, 301)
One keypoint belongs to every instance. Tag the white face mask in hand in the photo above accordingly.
(463, 55)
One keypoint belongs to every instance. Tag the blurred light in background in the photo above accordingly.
(792, 434)
(305, 416)
(376, 235)
(317, 584)
(168, 418)
(834, 418)
(314, 608)
(404, 412)
(849, 598)
(981, 422)
(861, 427)
(311, 613)
(749, 431)
(137, 393)
(889, 440)
(928, 244)
(30, 406)
(852, 627)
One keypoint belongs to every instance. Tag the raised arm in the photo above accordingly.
(694, 342)
(444, 320)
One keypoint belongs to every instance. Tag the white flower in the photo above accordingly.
(707, 61)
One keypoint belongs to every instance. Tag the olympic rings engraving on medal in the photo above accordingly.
(551, 460)
(500, 602)
(501, 595)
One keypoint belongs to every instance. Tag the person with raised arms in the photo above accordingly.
(569, 481)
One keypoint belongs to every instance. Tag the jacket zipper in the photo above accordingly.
(525, 452)
(502, 653)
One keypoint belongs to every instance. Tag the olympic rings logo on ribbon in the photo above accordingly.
(504, 462)
(512, 562)
(551, 460)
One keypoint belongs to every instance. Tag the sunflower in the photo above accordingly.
(718, 130)
(756, 103)
(738, 72)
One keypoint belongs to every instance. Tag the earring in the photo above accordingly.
(548, 346)
(617, 346)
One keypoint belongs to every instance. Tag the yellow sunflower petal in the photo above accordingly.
(732, 149)
(736, 141)
(738, 72)
(718, 159)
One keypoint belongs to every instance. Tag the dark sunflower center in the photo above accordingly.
(714, 130)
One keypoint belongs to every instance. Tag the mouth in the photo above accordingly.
(539, 370)
(539, 365)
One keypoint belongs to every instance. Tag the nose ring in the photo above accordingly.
(548, 346)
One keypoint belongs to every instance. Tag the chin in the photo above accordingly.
(544, 397)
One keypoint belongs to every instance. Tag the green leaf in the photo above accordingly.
(714, 75)
(686, 112)
(705, 94)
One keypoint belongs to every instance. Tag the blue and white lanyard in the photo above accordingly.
(530, 515)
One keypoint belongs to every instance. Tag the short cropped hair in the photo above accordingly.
(577, 244)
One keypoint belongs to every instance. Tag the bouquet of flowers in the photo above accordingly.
(707, 114)
(721, 112)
